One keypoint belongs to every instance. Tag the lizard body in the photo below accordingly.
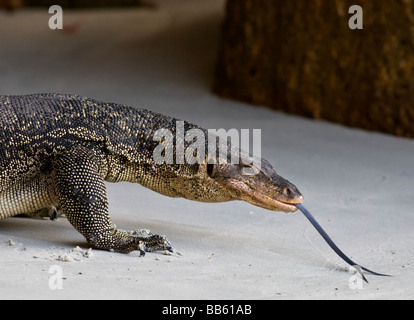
(58, 150)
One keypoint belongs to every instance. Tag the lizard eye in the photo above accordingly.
(210, 168)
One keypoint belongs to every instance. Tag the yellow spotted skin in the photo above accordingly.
(57, 151)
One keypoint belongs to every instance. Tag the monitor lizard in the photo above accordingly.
(57, 151)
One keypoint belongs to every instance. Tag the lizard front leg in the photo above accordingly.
(82, 194)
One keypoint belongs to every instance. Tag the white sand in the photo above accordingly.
(357, 184)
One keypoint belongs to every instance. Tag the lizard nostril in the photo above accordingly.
(287, 192)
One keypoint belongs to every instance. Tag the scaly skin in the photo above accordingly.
(58, 150)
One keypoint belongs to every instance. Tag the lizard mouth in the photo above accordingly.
(264, 201)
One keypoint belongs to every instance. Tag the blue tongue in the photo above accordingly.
(334, 246)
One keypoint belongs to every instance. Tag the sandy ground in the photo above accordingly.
(357, 184)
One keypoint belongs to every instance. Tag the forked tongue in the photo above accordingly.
(334, 246)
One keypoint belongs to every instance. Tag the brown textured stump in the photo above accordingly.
(300, 56)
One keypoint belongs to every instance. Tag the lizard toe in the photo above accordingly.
(156, 243)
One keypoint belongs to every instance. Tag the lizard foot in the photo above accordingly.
(149, 242)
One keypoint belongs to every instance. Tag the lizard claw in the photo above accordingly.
(163, 245)
(156, 243)
(141, 248)
(146, 241)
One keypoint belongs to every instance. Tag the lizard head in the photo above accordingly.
(259, 185)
